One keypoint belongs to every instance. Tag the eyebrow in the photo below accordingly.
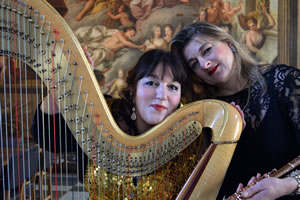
(156, 77)
(152, 76)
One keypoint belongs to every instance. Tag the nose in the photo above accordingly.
(204, 63)
(161, 92)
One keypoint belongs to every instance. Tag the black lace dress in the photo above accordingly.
(272, 135)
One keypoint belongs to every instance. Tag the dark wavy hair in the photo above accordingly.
(148, 62)
(144, 67)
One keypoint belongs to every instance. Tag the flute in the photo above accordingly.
(274, 173)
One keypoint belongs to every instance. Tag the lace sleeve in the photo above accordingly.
(288, 80)
(294, 98)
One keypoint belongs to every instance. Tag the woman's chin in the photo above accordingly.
(156, 121)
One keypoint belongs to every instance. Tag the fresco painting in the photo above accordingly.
(114, 33)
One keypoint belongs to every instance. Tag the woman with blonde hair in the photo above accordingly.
(269, 97)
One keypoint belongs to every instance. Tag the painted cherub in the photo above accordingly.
(214, 12)
(228, 13)
(100, 50)
(122, 15)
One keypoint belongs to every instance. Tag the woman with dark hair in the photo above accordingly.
(268, 96)
(154, 89)
(151, 68)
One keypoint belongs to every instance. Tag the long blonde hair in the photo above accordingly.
(247, 67)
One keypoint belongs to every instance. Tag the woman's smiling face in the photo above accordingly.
(157, 96)
(212, 60)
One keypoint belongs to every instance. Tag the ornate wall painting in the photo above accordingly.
(99, 25)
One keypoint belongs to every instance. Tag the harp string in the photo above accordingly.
(42, 181)
(26, 97)
(65, 124)
(20, 65)
(53, 109)
(2, 154)
(59, 122)
(11, 120)
(16, 104)
(14, 93)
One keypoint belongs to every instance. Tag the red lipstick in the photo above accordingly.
(213, 70)
(159, 107)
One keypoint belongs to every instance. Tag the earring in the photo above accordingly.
(133, 115)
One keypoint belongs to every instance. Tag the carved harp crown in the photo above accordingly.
(32, 32)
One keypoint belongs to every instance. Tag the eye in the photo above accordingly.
(151, 83)
(173, 87)
(194, 64)
(206, 51)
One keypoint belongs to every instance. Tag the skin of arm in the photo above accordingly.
(185, 1)
(127, 43)
(115, 17)
(270, 18)
(238, 8)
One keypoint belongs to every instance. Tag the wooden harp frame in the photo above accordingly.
(53, 52)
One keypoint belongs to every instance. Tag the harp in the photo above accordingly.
(35, 38)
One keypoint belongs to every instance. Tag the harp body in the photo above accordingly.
(35, 36)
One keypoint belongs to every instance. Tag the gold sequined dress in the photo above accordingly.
(165, 183)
